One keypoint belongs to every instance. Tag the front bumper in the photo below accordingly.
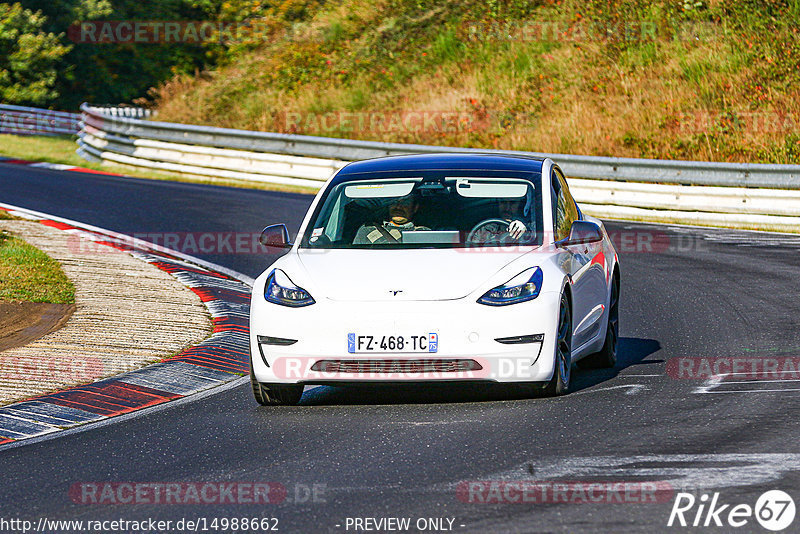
(466, 330)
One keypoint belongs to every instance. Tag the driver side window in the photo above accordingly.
(565, 212)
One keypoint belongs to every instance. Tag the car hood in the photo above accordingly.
(391, 275)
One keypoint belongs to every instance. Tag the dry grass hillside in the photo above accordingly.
(708, 80)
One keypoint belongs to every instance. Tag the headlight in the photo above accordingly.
(279, 289)
(524, 286)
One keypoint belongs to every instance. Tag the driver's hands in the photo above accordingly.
(516, 229)
(482, 236)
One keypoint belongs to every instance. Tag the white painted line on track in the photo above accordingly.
(710, 230)
(714, 385)
(32, 214)
(765, 381)
(632, 389)
(689, 471)
(722, 391)
(710, 384)
(425, 423)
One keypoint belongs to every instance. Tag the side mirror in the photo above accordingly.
(275, 236)
(581, 233)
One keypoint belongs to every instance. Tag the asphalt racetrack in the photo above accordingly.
(689, 297)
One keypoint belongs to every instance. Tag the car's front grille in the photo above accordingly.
(396, 366)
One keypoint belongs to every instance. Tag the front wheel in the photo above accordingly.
(274, 394)
(559, 384)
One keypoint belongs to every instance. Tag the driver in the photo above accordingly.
(401, 212)
(511, 211)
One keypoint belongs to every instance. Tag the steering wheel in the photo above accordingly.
(498, 227)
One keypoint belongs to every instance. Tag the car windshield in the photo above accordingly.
(427, 212)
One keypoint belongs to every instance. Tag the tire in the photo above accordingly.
(559, 384)
(607, 356)
(274, 394)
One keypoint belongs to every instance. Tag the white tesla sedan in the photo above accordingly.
(443, 267)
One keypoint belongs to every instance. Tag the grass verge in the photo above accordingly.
(698, 80)
(28, 274)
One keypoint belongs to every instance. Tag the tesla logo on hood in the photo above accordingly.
(394, 292)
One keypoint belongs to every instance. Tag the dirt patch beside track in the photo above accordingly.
(23, 322)
(127, 314)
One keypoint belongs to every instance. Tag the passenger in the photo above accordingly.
(400, 214)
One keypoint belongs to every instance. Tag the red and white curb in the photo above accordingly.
(54, 166)
(220, 359)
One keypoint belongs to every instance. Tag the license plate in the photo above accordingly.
(362, 343)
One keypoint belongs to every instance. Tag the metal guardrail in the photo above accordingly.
(21, 120)
(724, 194)
(604, 168)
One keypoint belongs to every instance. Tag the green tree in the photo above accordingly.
(29, 57)
(112, 73)
(121, 72)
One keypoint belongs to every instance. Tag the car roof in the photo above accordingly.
(441, 162)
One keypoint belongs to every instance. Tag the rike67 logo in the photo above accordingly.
(774, 510)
